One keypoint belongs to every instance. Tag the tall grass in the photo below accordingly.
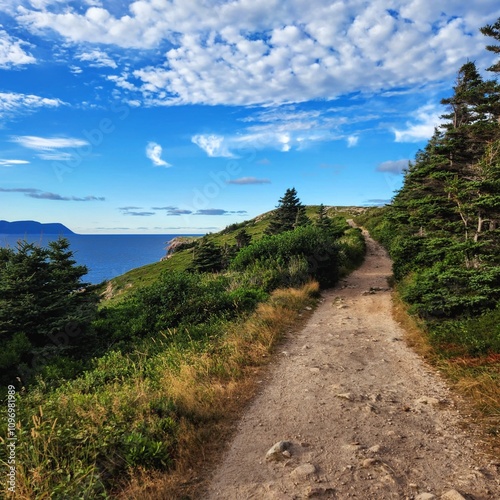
(96, 435)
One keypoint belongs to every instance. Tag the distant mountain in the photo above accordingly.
(32, 227)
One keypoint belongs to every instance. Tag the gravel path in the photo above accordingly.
(358, 413)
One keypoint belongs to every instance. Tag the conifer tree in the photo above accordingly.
(208, 257)
(323, 221)
(243, 239)
(285, 215)
(43, 301)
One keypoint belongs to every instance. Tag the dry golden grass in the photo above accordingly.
(476, 379)
(212, 389)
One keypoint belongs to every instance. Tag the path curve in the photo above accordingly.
(364, 415)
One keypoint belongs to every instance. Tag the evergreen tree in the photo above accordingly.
(493, 31)
(301, 219)
(43, 302)
(243, 239)
(208, 257)
(285, 216)
(323, 221)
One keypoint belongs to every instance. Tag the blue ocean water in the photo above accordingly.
(105, 255)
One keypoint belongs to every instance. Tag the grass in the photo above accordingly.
(170, 406)
(476, 378)
(117, 288)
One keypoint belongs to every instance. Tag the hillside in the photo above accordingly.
(181, 260)
(33, 227)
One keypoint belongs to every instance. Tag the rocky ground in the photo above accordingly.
(353, 412)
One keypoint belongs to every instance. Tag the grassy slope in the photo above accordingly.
(118, 287)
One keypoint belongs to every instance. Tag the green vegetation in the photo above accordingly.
(45, 308)
(153, 376)
(442, 231)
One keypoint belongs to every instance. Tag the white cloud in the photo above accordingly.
(154, 152)
(12, 103)
(244, 52)
(12, 52)
(393, 166)
(421, 128)
(97, 59)
(213, 145)
(352, 141)
(48, 143)
(12, 163)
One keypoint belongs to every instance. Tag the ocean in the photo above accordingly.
(105, 255)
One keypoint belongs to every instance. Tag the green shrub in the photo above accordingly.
(473, 336)
(318, 247)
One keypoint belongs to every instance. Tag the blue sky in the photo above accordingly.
(170, 116)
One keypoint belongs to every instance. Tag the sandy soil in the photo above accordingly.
(361, 415)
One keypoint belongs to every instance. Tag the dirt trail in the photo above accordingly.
(363, 415)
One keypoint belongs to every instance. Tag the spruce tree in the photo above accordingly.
(208, 257)
(44, 304)
(323, 221)
(285, 215)
(243, 239)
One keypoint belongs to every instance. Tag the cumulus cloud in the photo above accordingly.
(97, 59)
(154, 152)
(43, 195)
(214, 145)
(352, 141)
(240, 52)
(421, 128)
(12, 53)
(248, 180)
(393, 167)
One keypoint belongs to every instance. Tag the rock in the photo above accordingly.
(425, 496)
(346, 395)
(426, 400)
(309, 308)
(368, 462)
(318, 492)
(286, 454)
(452, 495)
(303, 471)
(375, 449)
(276, 452)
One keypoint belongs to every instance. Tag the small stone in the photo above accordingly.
(452, 495)
(426, 400)
(303, 471)
(375, 449)
(368, 462)
(276, 452)
(314, 369)
(425, 496)
(346, 395)
(287, 454)
(309, 308)
(318, 492)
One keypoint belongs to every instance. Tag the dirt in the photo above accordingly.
(360, 414)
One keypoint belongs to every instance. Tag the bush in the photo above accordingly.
(311, 244)
(473, 336)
